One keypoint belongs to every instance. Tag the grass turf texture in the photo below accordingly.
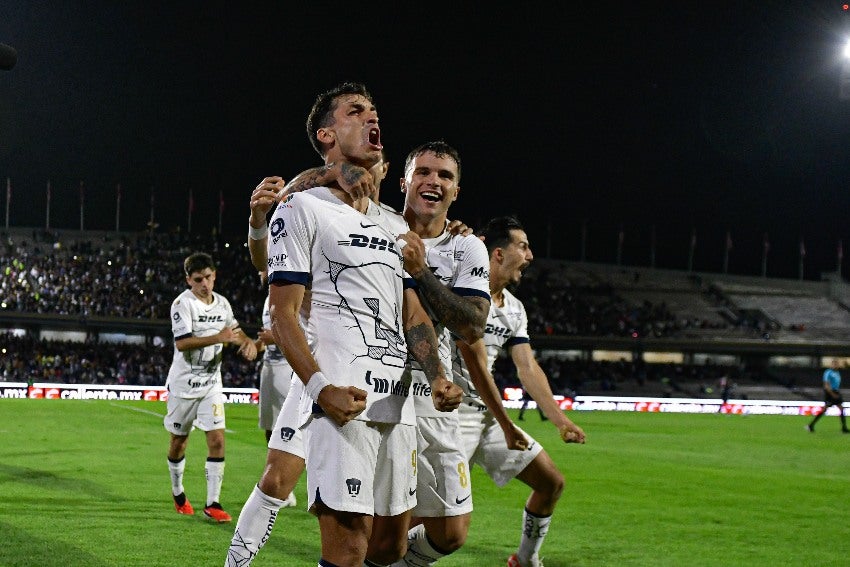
(86, 483)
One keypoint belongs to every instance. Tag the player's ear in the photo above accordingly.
(402, 185)
(498, 254)
(326, 136)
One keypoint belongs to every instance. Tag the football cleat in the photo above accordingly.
(290, 501)
(215, 512)
(513, 561)
(186, 507)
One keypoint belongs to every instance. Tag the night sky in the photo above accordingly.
(706, 117)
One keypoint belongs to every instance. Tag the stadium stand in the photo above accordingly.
(105, 285)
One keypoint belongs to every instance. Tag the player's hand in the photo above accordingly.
(266, 336)
(446, 394)
(248, 350)
(264, 197)
(414, 254)
(571, 433)
(356, 181)
(458, 227)
(227, 335)
(514, 438)
(342, 404)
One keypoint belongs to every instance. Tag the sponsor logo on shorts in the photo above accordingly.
(353, 485)
(411, 491)
(462, 500)
(286, 434)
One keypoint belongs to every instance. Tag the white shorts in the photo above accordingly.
(484, 444)
(206, 413)
(287, 435)
(443, 485)
(364, 467)
(274, 387)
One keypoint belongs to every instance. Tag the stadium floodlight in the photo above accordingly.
(846, 51)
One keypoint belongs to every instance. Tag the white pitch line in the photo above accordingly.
(157, 414)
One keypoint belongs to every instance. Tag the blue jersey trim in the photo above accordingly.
(468, 291)
(517, 341)
(289, 277)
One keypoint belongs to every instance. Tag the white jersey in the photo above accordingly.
(506, 326)
(462, 264)
(194, 372)
(356, 275)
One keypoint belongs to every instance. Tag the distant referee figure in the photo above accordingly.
(832, 397)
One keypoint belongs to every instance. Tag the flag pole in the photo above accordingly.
(8, 199)
(82, 207)
(118, 207)
(47, 218)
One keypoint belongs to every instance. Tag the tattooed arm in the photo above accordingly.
(464, 316)
(353, 179)
(422, 345)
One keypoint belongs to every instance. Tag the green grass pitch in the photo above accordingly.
(85, 483)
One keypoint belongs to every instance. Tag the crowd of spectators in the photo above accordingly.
(28, 359)
(138, 276)
(119, 276)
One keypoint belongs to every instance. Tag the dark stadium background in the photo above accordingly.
(706, 117)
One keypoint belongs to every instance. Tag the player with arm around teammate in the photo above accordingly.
(285, 456)
(359, 435)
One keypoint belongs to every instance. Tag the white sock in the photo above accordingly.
(176, 471)
(534, 530)
(253, 528)
(214, 470)
(420, 552)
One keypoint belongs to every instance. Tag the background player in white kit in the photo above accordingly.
(203, 323)
(483, 432)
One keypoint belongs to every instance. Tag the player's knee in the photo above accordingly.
(552, 485)
(216, 446)
(280, 474)
(451, 541)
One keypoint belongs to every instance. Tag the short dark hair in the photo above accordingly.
(198, 262)
(497, 231)
(323, 108)
(438, 148)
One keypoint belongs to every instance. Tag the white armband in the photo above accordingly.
(315, 385)
(258, 233)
